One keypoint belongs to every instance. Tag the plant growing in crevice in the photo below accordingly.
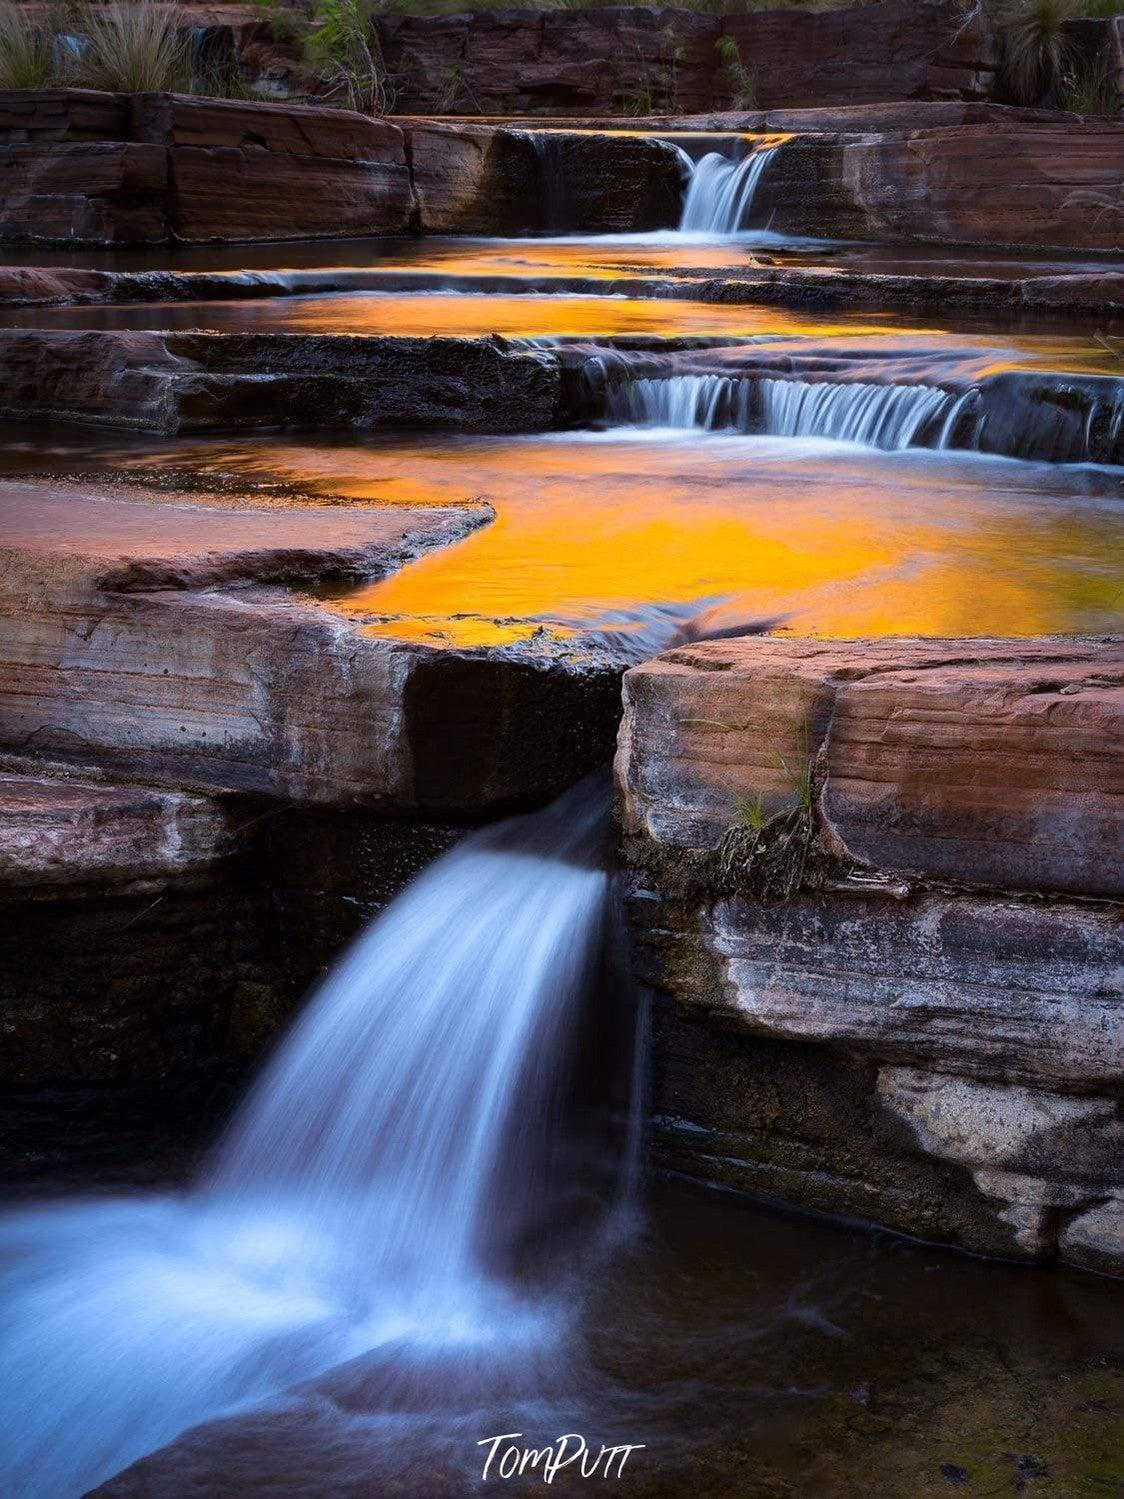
(1087, 89)
(743, 80)
(1034, 46)
(772, 857)
(344, 49)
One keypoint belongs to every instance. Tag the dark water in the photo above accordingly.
(752, 1353)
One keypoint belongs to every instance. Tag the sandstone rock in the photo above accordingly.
(476, 179)
(1001, 991)
(125, 646)
(56, 834)
(194, 381)
(632, 59)
(991, 763)
(947, 1065)
(955, 184)
(900, 49)
(107, 169)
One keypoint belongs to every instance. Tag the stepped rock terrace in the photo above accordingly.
(356, 477)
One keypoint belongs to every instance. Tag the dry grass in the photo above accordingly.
(134, 48)
(26, 49)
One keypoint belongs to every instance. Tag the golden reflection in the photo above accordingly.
(835, 539)
(930, 353)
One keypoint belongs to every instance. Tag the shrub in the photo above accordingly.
(743, 80)
(1087, 89)
(1034, 45)
(134, 48)
(344, 49)
(26, 49)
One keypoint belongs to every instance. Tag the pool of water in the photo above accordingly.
(979, 344)
(820, 536)
(748, 1354)
(594, 256)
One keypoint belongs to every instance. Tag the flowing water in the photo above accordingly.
(422, 1229)
(416, 1128)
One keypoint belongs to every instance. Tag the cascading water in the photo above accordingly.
(707, 402)
(406, 1137)
(881, 416)
(878, 416)
(720, 191)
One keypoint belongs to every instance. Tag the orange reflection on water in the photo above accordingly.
(835, 539)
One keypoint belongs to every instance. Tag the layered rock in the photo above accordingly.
(929, 1029)
(630, 59)
(92, 168)
(967, 183)
(117, 169)
(157, 639)
(180, 382)
(476, 179)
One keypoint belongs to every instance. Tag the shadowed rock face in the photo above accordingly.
(580, 62)
(186, 382)
(1003, 181)
(927, 1012)
(92, 168)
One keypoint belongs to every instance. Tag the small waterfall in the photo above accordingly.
(720, 192)
(709, 402)
(879, 416)
(415, 1128)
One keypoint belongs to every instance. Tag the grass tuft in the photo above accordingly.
(134, 48)
(26, 49)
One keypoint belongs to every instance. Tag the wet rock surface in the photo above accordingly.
(193, 381)
(157, 639)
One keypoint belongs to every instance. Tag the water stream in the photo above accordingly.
(414, 1130)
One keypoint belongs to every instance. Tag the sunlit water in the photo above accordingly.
(831, 537)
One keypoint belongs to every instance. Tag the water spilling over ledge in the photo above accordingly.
(363, 567)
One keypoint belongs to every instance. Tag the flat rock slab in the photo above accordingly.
(178, 382)
(995, 763)
(59, 835)
(158, 637)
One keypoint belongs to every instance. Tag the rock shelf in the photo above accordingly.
(931, 1033)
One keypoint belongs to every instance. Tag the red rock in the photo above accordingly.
(989, 762)
(58, 834)
(161, 640)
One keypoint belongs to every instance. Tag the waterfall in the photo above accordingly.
(720, 192)
(412, 1130)
(880, 416)
(709, 402)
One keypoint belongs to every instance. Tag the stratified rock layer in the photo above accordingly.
(931, 1033)
(993, 763)
(161, 639)
(184, 382)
